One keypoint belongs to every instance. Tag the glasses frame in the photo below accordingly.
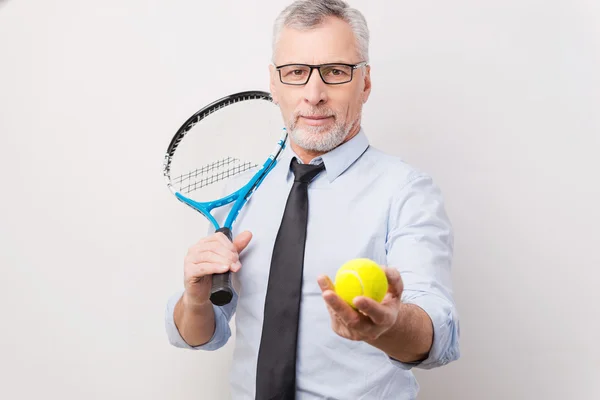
(318, 67)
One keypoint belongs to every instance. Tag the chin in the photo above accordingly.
(318, 138)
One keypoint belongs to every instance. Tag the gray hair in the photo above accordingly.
(307, 14)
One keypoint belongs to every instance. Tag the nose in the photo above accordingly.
(315, 90)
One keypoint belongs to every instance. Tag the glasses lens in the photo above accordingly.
(294, 74)
(336, 73)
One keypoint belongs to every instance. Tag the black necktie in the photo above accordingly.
(276, 367)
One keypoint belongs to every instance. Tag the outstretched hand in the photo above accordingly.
(371, 319)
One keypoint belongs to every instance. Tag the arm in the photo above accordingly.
(416, 323)
(420, 246)
(195, 322)
(191, 330)
(191, 320)
(410, 338)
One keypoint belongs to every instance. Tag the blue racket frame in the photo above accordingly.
(240, 196)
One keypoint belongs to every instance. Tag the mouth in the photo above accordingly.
(316, 120)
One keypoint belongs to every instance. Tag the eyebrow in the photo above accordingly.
(329, 62)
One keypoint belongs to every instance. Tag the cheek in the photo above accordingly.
(287, 105)
(352, 110)
(357, 103)
(286, 112)
(352, 105)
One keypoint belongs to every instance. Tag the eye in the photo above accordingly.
(296, 72)
(335, 71)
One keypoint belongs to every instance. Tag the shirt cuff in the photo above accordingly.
(218, 340)
(446, 332)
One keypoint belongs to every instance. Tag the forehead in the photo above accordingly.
(331, 41)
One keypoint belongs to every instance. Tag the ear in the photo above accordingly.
(274, 75)
(367, 84)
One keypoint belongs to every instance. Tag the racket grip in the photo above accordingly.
(221, 291)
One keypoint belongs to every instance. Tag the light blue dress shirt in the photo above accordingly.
(365, 204)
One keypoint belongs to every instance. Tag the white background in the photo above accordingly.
(499, 100)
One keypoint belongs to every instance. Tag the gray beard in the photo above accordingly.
(316, 138)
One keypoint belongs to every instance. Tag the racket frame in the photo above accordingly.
(221, 291)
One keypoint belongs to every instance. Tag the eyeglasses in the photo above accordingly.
(331, 74)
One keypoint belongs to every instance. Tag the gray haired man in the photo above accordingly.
(304, 342)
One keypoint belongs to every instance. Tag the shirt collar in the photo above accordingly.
(337, 160)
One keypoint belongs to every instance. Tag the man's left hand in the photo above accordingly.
(371, 319)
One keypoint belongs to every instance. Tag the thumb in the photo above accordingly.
(241, 241)
(395, 284)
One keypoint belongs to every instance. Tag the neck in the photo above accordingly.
(307, 155)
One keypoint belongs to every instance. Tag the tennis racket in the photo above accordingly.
(219, 157)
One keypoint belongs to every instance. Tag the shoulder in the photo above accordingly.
(391, 170)
(412, 194)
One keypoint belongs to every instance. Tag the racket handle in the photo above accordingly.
(221, 292)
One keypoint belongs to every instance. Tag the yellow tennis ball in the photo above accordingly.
(361, 277)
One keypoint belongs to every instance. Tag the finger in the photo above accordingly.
(335, 319)
(395, 284)
(235, 267)
(241, 241)
(324, 288)
(378, 313)
(221, 238)
(208, 256)
(325, 283)
(346, 314)
(217, 248)
(221, 267)
(197, 271)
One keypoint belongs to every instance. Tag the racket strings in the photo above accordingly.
(212, 173)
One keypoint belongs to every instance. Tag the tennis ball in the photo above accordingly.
(360, 277)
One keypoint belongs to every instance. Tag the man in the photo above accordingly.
(363, 203)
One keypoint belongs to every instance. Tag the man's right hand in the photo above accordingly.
(213, 254)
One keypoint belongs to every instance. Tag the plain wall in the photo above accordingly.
(499, 100)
